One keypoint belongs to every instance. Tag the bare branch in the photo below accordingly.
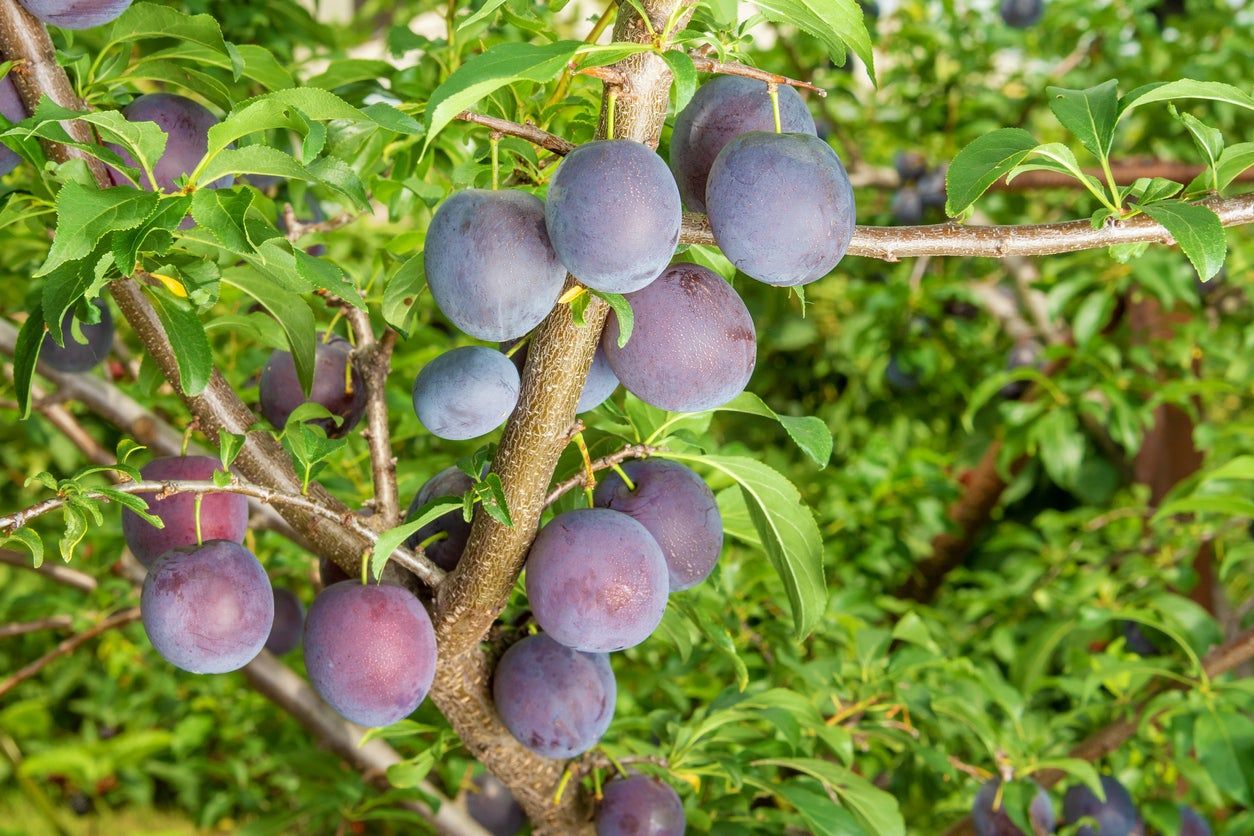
(705, 64)
(298, 229)
(61, 574)
(1125, 172)
(55, 622)
(120, 619)
(373, 358)
(631, 451)
(536, 136)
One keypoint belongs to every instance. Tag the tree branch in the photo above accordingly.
(21, 628)
(705, 64)
(374, 360)
(61, 574)
(536, 136)
(1125, 172)
(68, 646)
(631, 451)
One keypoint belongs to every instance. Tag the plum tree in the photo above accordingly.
(11, 108)
(494, 807)
(186, 124)
(1191, 823)
(208, 608)
(450, 481)
(337, 386)
(639, 805)
(613, 214)
(596, 580)
(597, 386)
(676, 506)
(723, 108)
(554, 700)
(466, 392)
(693, 345)
(490, 265)
(289, 622)
(1021, 13)
(77, 14)
(766, 189)
(1116, 816)
(223, 516)
(997, 822)
(77, 356)
(370, 651)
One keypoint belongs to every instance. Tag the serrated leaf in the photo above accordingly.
(1209, 141)
(1232, 162)
(1197, 230)
(485, 11)
(187, 338)
(158, 228)
(85, 216)
(220, 213)
(1186, 88)
(390, 540)
(402, 290)
(838, 24)
(870, 805)
(623, 313)
(1089, 114)
(289, 310)
(325, 275)
(981, 163)
(30, 340)
(807, 432)
(684, 75)
(254, 159)
(146, 20)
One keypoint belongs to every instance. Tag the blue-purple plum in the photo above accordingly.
(932, 189)
(466, 392)
(997, 822)
(493, 806)
(489, 263)
(1022, 13)
(613, 214)
(76, 357)
(1116, 816)
(447, 551)
(1192, 824)
(289, 622)
(11, 108)
(330, 573)
(340, 391)
(1024, 354)
(907, 206)
(693, 345)
(723, 108)
(555, 701)
(209, 608)
(910, 165)
(370, 651)
(223, 516)
(596, 580)
(77, 14)
(186, 124)
(677, 508)
(780, 206)
(640, 806)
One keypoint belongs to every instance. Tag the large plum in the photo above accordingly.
(1116, 816)
(990, 822)
(207, 609)
(723, 108)
(596, 580)
(450, 481)
(613, 214)
(76, 14)
(370, 651)
(677, 508)
(75, 357)
(490, 265)
(693, 346)
(11, 108)
(466, 392)
(640, 806)
(223, 516)
(289, 622)
(555, 701)
(780, 206)
(186, 124)
(335, 387)
(494, 807)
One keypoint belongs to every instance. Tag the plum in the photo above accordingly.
(466, 392)
(340, 391)
(186, 124)
(489, 263)
(910, 165)
(555, 701)
(907, 206)
(596, 580)
(780, 206)
(11, 108)
(492, 805)
(990, 822)
(209, 608)
(370, 651)
(75, 357)
(1116, 816)
(330, 572)
(223, 516)
(76, 14)
(1021, 13)
(677, 508)
(613, 214)
(723, 108)
(640, 806)
(1192, 824)
(693, 346)
(289, 622)
(445, 552)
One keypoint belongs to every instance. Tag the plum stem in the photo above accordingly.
(571, 295)
(494, 139)
(434, 538)
(590, 477)
(622, 474)
(514, 349)
(611, 97)
(200, 540)
(772, 89)
(561, 786)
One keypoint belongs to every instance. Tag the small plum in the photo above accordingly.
(494, 807)
(447, 551)
(1116, 816)
(223, 516)
(75, 357)
(335, 387)
(910, 165)
(289, 622)
(997, 822)
(466, 392)
(11, 108)
(907, 206)
(1022, 13)
(639, 805)
(1191, 823)
(76, 14)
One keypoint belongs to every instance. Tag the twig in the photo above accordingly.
(60, 574)
(612, 76)
(536, 136)
(68, 646)
(1125, 172)
(298, 229)
(373, 359)
(705, 64)
(55, 622)
(631, 451)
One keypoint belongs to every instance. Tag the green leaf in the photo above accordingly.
(187, 338)
(30, 539)
(391, 540)
(836, 23)
(1197, 230)
(1225, 745)
(1210, 141)
(220, 213)
(402, 291)
(85, 216)
(807, 432)
(155, 234)
(144, 21)
(1232, 162)
(623, 313)
(344, 71)
(1186, 88)
(789, 534)
(289, 310)
(26, 356)
(484, 12)
(684, 75)
(325, 275)
(254, 159)
(1092, 315)
(872, 806)
(981, 163)
(70, 282)
(1058, 436)
(1089, 114)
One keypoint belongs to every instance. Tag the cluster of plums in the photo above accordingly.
(1117, 815)
(780, 206)
(922, 188)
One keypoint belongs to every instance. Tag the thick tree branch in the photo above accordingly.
(68, 646)
(893, 243)
(536, 136)
(60, 574)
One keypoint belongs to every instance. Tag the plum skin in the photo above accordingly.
(223, 516)
(280, 391)
(289, 622)
(75, 357)
(187, 125)
(207, 609)
(722, 109)
(781, 207)
(12, 108)
(466, 392)
(370, 651)
(990, 822)
(76, 14)
(596, 580)
(489, 263)
(1117, 816)
(1021, 14)
(693, 345)
(447, 551)
(494, 807)
(555, 701)
(639, 805)
(676, 506)
(613, 214)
